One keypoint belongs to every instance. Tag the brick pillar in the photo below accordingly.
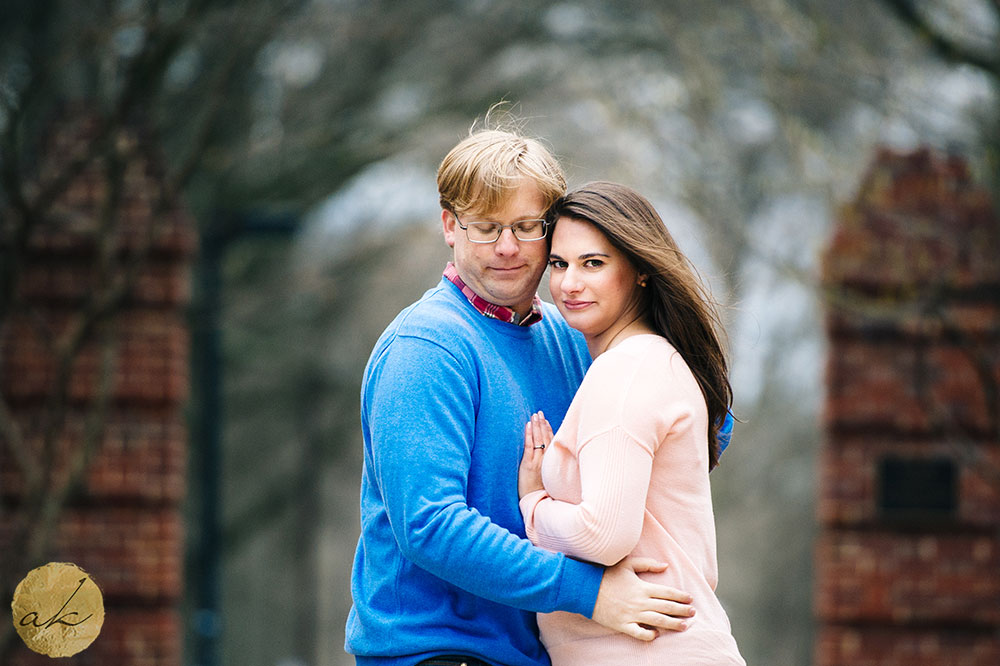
(124, 526)
(908, 558)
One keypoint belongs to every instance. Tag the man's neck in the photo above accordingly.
(524, 317)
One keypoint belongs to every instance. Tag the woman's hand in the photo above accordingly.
(537, 435)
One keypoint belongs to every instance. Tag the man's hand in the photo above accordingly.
(632, 606)
(537, 435)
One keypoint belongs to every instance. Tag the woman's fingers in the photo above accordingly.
(529, 443)
(541, 430)
(536, 432)
(529, 474)
(546, 429)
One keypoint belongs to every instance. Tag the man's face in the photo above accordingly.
(506, 272)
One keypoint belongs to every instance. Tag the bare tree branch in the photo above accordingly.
(17, 227)
(11, 435)
(947, 48)
(45, 496)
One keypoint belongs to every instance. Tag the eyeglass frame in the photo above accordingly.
(465, 228)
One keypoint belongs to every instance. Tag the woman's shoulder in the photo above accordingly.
(644, 370)
(643, 385)
(645, 353)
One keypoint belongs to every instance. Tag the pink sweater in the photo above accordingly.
(627, 474)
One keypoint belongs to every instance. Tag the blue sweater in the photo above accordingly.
(442, 565)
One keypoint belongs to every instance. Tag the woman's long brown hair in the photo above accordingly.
(675, 303)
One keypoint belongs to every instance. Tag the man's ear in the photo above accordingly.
(449, 223)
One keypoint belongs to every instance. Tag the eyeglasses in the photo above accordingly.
(489, 232)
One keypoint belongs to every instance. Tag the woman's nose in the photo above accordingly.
(571, 282)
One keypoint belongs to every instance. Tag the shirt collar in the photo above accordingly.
(492, 310)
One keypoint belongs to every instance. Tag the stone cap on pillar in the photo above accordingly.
(919, 220)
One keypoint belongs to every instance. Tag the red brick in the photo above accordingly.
(141, 456)
(150, 363)
(918, 221)
(133, 554)
(890, 646)
(129, 636)
(908, 577)
(855, 315)
(913, 364)
(910, 387)
(49, 279)
(848, 472)
(141, 220)
(126, 530)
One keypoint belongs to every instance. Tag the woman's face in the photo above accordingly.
(593, 284)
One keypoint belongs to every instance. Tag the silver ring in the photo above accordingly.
(540, 447)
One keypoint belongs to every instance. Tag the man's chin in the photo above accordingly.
(509, 299)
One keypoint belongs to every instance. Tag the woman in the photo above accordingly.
(627, 473)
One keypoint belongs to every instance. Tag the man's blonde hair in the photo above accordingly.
(485, 168)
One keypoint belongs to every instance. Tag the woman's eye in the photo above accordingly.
(593, 263)
(556, 263)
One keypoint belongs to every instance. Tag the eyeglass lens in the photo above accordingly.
(490, 231)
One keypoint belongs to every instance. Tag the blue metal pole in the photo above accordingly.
(206, 373)
(207, 430)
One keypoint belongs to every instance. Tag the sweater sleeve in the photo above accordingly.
(420, 407)
(605, 526)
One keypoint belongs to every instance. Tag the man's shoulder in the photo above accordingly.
(437, 318)
(436, 313)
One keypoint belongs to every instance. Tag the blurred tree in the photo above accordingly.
(100, 68)
(963, 34)
(256, 104)
(745, 122)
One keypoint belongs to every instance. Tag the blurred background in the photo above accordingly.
(301, 139)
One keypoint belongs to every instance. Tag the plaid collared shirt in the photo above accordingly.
(501, 312)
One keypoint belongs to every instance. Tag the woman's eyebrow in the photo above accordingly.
(586, 255)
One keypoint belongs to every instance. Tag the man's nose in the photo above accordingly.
(507, 243)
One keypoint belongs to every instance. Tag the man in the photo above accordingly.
(443, 573)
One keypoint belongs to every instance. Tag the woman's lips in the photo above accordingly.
(576, 305)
